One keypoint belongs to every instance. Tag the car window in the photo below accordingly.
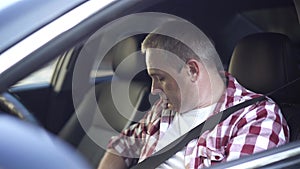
(282, 20)
(43, 75)
(102, 70)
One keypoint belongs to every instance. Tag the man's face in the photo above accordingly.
(168, 79)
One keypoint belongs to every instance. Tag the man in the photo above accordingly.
(191, 87)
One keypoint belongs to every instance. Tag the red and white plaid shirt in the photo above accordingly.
(249, 130)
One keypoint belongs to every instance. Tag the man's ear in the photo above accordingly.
(193, 69)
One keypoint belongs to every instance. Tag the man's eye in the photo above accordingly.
(161, 78)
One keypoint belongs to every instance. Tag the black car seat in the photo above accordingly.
(121, 101)
(264, 62)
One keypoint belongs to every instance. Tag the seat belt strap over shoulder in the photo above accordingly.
(165, 153)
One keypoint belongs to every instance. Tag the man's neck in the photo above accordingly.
(213, 91)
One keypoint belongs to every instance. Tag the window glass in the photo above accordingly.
(281, 20)
(104, 69)
(43, 75)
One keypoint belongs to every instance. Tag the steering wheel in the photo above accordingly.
(10, 104)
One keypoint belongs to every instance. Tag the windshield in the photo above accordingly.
(47, 33)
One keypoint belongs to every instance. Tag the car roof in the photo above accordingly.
(20, 18)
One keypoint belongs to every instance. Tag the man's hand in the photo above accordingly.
(112, 160)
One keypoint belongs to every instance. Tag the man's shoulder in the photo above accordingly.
(235, 93)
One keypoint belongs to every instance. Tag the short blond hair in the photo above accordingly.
(180, 49)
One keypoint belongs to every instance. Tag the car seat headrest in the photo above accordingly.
(263, 62)
(127, 60)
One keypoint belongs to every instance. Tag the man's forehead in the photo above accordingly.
(157, 66)
(161, 71)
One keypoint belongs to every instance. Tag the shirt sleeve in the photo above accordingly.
(259, 129)
(130, 142)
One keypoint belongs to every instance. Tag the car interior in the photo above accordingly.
(258, 42)
(263, 62)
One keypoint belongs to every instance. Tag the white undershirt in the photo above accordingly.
(182, 123)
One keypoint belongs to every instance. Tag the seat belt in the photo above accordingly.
(165, 153)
